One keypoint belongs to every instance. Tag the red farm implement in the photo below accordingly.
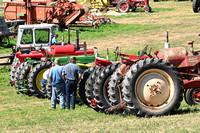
(62, 13)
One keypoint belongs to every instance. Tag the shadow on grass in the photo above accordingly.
(187, 110)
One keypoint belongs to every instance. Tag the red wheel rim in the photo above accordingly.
(146, 10)
(123, 6)
(196, 95)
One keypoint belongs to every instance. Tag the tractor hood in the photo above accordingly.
(173, 55)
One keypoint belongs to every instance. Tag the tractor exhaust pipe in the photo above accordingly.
(85, 48)
(107, 56)
(68, 35)
(96, 54)
(167, 45)
(77, 40)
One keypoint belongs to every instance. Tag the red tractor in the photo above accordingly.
(126, 5)
(155, 86)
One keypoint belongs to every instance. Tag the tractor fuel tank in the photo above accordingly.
(173, 55)
(62, 50)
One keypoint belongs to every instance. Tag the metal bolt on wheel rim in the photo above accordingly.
(154, 88)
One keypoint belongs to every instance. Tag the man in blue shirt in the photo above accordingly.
(54, 39)
(57, 82)
(71, 75)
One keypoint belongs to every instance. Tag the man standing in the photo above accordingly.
(54, 39)
(71, 75)
(57, 82)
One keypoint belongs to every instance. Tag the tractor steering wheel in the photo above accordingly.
(144, 51)
(116, 53)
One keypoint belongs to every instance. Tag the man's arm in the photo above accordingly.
(50, 76)
(63, 76)
(50, 80)
(79, 77)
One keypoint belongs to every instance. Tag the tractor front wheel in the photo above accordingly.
(192, 96)
(147, 9)
(152, 87)
(123, 6)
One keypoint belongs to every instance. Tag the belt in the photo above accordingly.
(70, 80)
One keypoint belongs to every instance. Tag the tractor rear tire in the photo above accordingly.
(191, 96)
(196, 5)
(14, 67)
(90, 87)
(82, 83)
(17, 74)
(101, 87)
(152, 87)
(49, 89)
(43, 87)
(113, 91)
(35, 76)
(23, 78)
(123, 6)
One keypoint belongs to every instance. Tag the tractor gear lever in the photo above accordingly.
(116, 53)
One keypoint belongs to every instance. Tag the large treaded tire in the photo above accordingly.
(49, 89)
(90, 87)
(13, 69)
(82, 83)
(140, 84)
(101, 87)
(191, 96)
(113, 90)
(24, 76)
(123, 6)
(36, 75)
(43, 87)
(17, 74)
(196, 5)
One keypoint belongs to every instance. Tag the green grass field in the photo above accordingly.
(21, 113)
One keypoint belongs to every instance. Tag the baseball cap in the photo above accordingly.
(56, 35)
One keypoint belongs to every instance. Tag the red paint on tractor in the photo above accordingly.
(102, 62)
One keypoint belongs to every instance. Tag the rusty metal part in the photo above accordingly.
(62, 12)
(121, 105)
(154, 88)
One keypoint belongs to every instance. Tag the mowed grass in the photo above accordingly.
(21, 113)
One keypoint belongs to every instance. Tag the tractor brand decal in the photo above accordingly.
(193, 60)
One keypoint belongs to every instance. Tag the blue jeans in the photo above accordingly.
(70, 87)
(58, 90)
